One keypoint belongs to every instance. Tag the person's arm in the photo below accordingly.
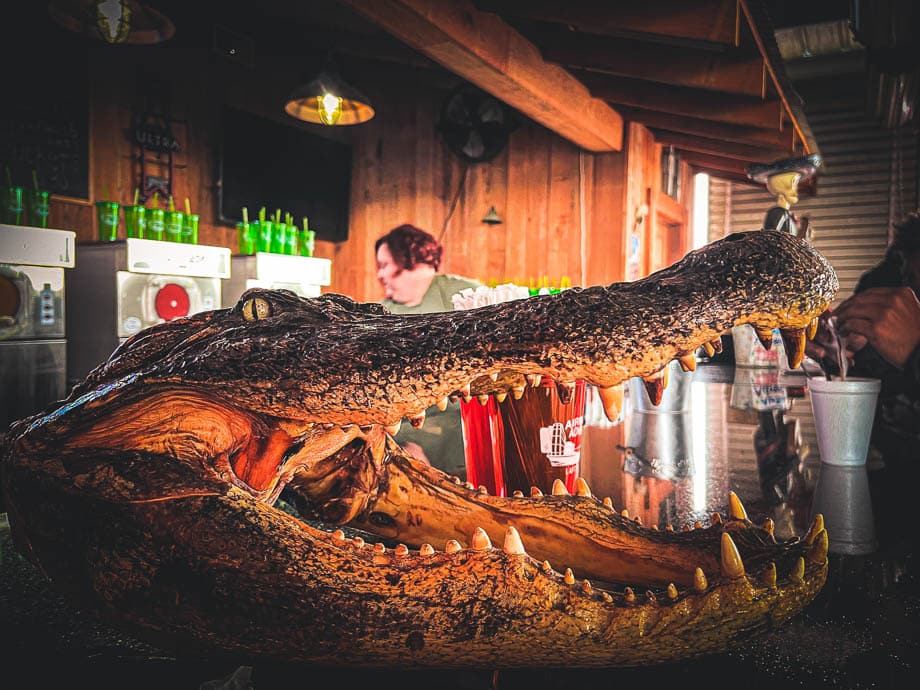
(887, 318)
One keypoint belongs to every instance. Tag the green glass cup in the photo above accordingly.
(307, 242)
(264, 231)
(292, 241)
(246, 238)
(107, 220)
(136, 221)
(190, 228)
(11, 209)
(156, 223)
(39, 206)
(173, 222)
(279, 237)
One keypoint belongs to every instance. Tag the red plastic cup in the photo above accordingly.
(527, 442)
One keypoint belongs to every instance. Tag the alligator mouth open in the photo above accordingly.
(151, 493)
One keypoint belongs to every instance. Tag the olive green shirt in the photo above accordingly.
(441, 437)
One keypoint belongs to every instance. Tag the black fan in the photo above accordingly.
(476, 125)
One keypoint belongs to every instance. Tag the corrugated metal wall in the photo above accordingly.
(868, 181)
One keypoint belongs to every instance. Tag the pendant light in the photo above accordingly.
(113, 21)
(329, 100)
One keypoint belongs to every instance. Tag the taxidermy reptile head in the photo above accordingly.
(151, 493)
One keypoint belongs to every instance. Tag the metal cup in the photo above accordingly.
(844, 411)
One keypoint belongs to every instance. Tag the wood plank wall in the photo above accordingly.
(565, 212)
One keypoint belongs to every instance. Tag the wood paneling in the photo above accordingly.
(565, 211)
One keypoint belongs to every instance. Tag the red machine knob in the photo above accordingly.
(172, 302)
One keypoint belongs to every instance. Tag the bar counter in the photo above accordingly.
(747, 431)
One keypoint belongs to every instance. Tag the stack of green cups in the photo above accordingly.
(107, 220)
(11, 209)
(174, 220)
(190, 228)
(264, 232)
(136, 221)
(156, 223)
(39, 207)
(307, 239)
(246, 238)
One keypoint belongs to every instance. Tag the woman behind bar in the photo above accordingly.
(408, 259)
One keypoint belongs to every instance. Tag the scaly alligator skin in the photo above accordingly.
(149, 493)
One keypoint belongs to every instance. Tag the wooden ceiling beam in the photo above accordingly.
(487, 52)
(716, 147)
(731, 73)
(712, 21)
(738, 110)
(740, 134)
(712, 162)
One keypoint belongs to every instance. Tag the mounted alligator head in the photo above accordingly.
(149, 493)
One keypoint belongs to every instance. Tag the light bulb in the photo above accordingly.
(330, 108)
(113, 19)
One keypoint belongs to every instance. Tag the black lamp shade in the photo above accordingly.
(303, 101)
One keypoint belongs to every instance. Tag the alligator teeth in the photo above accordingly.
(517, 493)
(559, 488)
(480, 540)
(517, 392)
(716, 519)
(812, 329)
(546, 567)
(358, 542)
(765, 336)
(494, 376)
(817, 554)
(380, 548)
(338, 535)
(417, 420)
(501, 397)
(697, 525)
(735, 507)
(625, 513)
(483, 399)
(710, 350)
(582, 488)
(769, 526)
(483, 490)
(443, 403)
(513, 543)
(797, 574)
(426, 550)
(469, 485)
(586, 586)
(717, 344)
(794, 340)
(650, 596)
(699, 580)
(672, 591)
(606, 597)
(769, 576)
(452, 546)
(608, 502)
(612, 400)
(687, 362)
(534, 380)
(629, 595)
(817, 524)
(656, 384)
(393, 429)
(535, 492)
(401, 550)
(569, 577)
(732, 565)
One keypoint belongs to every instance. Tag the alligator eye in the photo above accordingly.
(256, 308)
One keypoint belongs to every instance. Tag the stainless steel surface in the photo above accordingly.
(33, 374)
(32, 305)
(21, 244)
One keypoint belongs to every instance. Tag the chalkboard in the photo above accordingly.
(266, 163)
(44, 126)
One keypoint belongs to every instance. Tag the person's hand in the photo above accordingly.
(888, 318)
(819, 347)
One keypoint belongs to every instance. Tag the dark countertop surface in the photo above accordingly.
(743, 430)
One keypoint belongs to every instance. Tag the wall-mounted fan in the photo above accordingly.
(476, 125)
